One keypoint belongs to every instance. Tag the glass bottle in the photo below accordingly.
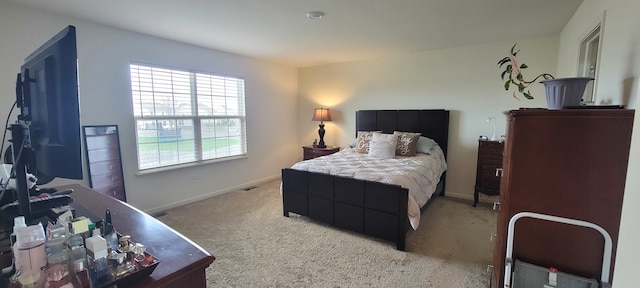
(76, 248)
(58, 273)
(82, 275)
(30, 279)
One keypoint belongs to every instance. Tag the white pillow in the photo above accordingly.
(385, 137)
(425, 145)
(383, 146)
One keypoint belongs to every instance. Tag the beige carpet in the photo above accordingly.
(256, 246)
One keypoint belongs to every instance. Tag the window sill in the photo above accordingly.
(191, 164)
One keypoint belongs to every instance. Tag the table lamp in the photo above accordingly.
(493, 119)
(321, 114)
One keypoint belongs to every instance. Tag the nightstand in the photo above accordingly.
(489, 169)
(311, 152)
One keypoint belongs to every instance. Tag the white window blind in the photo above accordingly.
(184, 117)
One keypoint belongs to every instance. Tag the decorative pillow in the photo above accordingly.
(362, 143)
(407, 143)
(384, 137)
(383, 146)
(353, 143)
(426, 145)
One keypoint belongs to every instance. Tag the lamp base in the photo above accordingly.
(321, 134)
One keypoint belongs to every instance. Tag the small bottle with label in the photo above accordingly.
(97, 258)
(82, 274)
(58, 273)
(123, 267)
(110, 235)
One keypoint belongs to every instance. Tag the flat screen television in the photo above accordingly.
(46, 138)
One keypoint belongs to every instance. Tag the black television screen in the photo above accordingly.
(49, 109)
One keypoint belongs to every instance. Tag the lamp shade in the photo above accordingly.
(321, 114)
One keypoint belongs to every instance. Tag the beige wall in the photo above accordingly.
(618, 82)
(104, 54)
(465, 80)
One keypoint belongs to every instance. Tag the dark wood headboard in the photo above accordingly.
(433, 123)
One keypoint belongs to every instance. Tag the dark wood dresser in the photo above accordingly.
(489, 168)
(311, 152)
(183, 263)
(570, 163)
(103, 159)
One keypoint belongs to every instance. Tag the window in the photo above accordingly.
(589, 57)
(186, 117)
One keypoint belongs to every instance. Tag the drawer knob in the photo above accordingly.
(498, 172)
(496, 205)
(489, 268)
(114, 193)
(493, 236)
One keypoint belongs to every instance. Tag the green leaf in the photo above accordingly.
(506, 85)
(527, 95)
(523, 66)
(513, 48)
(509, 67)
(503, 61)
(519, 77)
(521, 87)
(503, 73)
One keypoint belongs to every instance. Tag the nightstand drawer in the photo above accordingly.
(311, 152)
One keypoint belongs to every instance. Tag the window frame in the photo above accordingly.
(195, 116)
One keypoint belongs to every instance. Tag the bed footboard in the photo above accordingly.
(372, 208)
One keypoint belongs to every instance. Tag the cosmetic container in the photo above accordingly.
(76, 248)
(82, 274)
(30, 279)
(30, 248)
(123, 267)
(58, 272)
(97, 258)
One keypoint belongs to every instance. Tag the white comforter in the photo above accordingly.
(420, 174)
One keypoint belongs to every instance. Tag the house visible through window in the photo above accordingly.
(186, 117)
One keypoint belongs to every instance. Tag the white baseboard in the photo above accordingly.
(481, 198)
(162, 208)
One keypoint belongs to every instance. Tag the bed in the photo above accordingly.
(370, 207)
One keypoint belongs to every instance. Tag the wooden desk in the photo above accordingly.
(182, 262)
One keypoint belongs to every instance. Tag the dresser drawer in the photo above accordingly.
(114, 190)
(102, 141)
(492, 145)
(99, 155)
(107, 179)
(105, 167)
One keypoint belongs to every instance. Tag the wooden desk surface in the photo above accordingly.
(182, 262)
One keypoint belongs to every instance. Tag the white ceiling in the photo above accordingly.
(279, 31)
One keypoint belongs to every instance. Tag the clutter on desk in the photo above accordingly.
(76, 253)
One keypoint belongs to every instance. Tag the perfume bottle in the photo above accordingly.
(123, 267)
(82, 275)
(58, 273)
(97, 258)
(76, 248)
(110, 234)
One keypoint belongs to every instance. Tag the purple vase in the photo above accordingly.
(563, 92)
